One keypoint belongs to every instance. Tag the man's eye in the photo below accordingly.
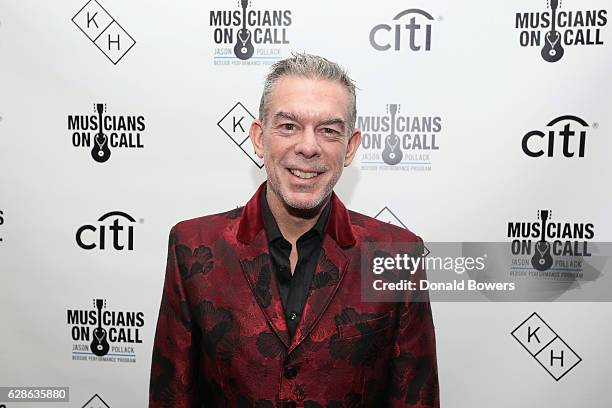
(330, 131)
(288, 126)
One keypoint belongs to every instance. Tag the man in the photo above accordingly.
(261, 305)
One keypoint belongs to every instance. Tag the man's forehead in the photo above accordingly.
(308, 98)
(308, 115)
(300, 84)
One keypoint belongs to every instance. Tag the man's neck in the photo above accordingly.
(292, 222)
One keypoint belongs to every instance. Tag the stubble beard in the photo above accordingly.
(275, 185)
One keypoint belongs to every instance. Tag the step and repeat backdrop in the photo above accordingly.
(502, 111)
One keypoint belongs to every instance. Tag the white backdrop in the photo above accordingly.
(487, 90)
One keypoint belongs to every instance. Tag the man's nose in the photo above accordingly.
(308, 145)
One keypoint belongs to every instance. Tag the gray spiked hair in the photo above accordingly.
(309, 66)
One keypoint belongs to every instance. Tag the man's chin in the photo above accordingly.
(303, 201)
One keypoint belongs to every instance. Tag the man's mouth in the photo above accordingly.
(304, 174)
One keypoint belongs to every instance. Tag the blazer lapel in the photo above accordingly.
(258, 270)
(331, 268)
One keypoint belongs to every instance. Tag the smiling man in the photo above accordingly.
(261, 306)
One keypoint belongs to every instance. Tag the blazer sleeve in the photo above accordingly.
(174, 364)
(413, 367)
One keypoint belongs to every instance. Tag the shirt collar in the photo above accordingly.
(338, 226)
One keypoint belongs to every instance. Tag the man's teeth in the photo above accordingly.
(302, 174)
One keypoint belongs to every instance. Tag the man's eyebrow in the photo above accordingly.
(286, 115)
(333, 121)
(295, 118)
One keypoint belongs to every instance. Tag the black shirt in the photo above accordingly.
(293, 289)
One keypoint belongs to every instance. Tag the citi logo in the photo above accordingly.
(566, 133)
(118, 235)
(410, 29)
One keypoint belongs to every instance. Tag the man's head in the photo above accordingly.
(306, 129)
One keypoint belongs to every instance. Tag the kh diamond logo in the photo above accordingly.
(386, 215)
(103, 31)
(95, 402)
(543, 344)
(236, 124)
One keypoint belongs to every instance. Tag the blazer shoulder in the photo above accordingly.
(207, 226)
(371, 229)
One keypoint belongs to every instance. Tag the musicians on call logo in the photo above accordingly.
(101, 134)
(102, 334)
(564, 136)
(397, 140)
(549, 247)
(246, 35)
(560, 27)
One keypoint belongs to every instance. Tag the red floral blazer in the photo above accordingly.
(222, 339)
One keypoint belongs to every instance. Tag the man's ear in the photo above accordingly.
(256, 135)
(353, 145)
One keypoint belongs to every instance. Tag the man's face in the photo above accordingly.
(304, 140)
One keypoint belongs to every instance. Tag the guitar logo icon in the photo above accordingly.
(244, 47)
(100, 151)
(392, 154)
(541, 259)
(99, 344)
(553, 50)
